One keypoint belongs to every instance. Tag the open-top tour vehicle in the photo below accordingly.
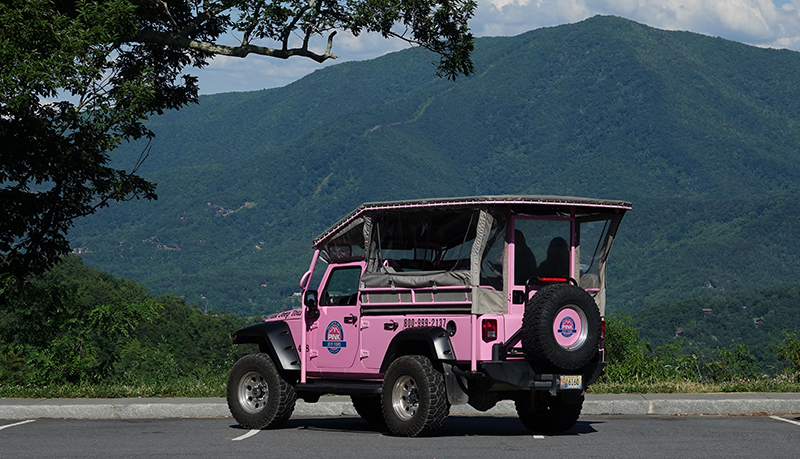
(410, 307)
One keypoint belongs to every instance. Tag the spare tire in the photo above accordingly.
(561, 326)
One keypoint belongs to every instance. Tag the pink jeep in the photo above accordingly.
(430, 303)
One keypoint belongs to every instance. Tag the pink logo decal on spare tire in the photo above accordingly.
(567, 328)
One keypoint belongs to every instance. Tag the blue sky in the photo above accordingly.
(766, 23)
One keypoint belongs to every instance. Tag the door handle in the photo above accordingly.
(392, 326)
(351, 319)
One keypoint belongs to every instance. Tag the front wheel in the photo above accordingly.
(258, 396)
(542, 412)
(414, 398)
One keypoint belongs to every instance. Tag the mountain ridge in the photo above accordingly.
(699, 132)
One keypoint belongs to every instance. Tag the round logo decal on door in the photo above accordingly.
(334, 338)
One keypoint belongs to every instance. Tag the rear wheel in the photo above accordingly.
(369, 408)
(561, 326)
(258, 396)
(414, 398)
(542, 412)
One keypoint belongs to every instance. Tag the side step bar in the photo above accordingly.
(338, 387)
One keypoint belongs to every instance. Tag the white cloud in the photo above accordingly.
(227, 74)
(757, 22)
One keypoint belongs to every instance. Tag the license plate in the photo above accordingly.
(571, 382)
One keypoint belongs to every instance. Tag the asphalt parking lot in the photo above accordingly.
(603, 404)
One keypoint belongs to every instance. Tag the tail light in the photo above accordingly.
(489, 329)
(603, 328)
(554, 279)
(602, 344)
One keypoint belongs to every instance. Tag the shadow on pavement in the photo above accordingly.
(456, 426)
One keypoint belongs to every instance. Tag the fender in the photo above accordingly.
(273, 338)
(430, 341)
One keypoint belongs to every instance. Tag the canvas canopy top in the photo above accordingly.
(522, 203)
(457, 241)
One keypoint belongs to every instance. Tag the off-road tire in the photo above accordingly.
(544, 340)
(369, 408)
(258, 396)
(543, 413)
(414, 397)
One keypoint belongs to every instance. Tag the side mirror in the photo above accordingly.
(311, 302)
(310, 299)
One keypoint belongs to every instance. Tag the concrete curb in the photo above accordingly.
(624, 404)
(112, 408)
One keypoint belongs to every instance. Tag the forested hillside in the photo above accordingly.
(77, 325)
(759, 318)
(79, 332)
(700, 133)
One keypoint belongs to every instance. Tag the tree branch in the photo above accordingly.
(203, 17)
(169, 15)
(408, 40)
(288, 31)
(169, 39)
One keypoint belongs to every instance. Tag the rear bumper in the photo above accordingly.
(521, 375)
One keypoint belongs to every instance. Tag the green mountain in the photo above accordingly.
(700, 133)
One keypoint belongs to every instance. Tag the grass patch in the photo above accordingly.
(181, 388)
(196, 388)
(779, 383)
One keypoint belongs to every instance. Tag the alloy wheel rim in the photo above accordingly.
(405, 398)
(253, 392)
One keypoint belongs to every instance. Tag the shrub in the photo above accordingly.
(734, 363)
(789, 349)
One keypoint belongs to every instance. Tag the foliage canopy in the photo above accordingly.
(79, 78)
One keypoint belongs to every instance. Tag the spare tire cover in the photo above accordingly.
(561, 326)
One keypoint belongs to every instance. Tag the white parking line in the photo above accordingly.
(247, 435)
(16, 424)
(786, 420)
